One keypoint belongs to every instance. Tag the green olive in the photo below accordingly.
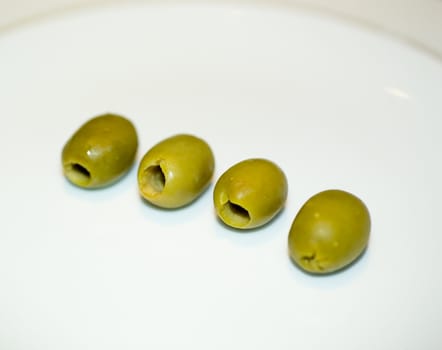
(176, 171)
(329, 232)
(100, 152)
(250, 193)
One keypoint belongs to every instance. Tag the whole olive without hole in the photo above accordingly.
(250, 193)
(176, 171)
(100, 152)
(329, 232)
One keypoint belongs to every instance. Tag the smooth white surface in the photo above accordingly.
(335, 106)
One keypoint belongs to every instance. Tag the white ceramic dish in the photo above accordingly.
(334, 105)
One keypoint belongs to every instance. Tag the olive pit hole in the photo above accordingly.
(78, 174)
(236, 214)
(155, 180)
(308, 257)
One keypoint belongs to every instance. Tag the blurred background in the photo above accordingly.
(418, 22)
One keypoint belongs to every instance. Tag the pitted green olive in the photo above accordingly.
(250, 193)
(100, 151)
(329, 232)
(176, 171)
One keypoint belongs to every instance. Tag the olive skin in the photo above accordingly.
(250, 193)
(176, 171)
(100, 152)
(329, 232)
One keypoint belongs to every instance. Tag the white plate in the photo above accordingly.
(334, 105)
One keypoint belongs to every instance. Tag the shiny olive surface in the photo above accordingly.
(100, 151)
(176, 171)
(329, 232)
(250, 193)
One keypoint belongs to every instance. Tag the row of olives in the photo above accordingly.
(328, 233)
